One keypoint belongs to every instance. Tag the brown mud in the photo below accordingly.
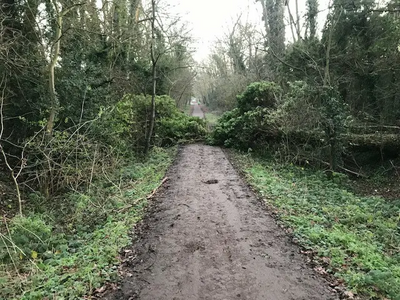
(197, 111)
(206, 236)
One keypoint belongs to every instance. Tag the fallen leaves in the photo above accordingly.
(320, 270)
(349, 295)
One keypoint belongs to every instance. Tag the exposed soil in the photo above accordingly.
(207, 236)
(197, 111)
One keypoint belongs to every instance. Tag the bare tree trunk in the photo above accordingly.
(327, 79)
(297, 19)
(55, 51)
(154, 78)
(273, 13)
(331, 130)
(265, 18)
(54, 54)
(291, 21)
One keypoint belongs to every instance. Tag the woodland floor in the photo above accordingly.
(207, 236)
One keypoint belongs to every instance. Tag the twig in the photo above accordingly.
(352, 172)
(341, 168)
(148, 197)
(156, 189)
(395, 168)
(92, 171)
(109, 180)
(12, 243)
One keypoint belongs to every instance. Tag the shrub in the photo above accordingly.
(243, 131)
(259, 94)
(29, 237)
(249, 125)
(305, 122)
(129, 121)
(67, 160)
(298, 110)
(226, 129)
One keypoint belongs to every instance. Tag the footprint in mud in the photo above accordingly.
(194, 246)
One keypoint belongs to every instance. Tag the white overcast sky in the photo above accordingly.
(210, 19)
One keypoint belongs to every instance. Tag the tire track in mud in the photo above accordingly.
(208, 237)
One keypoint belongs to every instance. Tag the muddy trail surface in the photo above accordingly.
(197, 111)
(207, 236)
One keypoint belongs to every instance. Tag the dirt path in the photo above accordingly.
(197, 112)
(208, 237)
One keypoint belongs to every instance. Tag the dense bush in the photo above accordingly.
(259, 94)
(225, 131)
(305, 122)
(299, 109)
(173, 126)
(68, 160)
(243, 131)
(249, 125)
(29, 237)
(71, 159)
(126, 125)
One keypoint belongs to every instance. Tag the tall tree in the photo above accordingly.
(312, 13)
(154, 59)
(60, 13)
(273, 16)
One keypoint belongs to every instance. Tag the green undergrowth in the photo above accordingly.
(73, 250)
(357, 239)
(211, 118)
(187, 109)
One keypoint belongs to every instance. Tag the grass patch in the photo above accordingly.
(73, 250)
(187, 110)
(356, 238)
(211, 118)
